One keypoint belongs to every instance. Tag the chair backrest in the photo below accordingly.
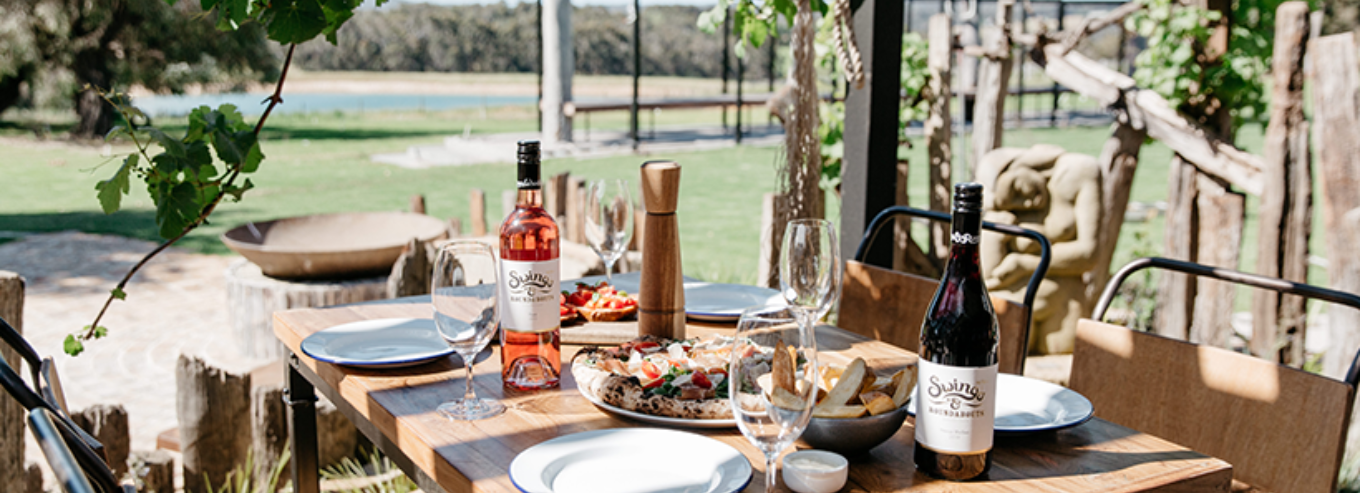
(59, 457)
(46, 392)
(1282, 429)
(889, 306)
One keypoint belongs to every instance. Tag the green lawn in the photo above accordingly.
(319, 163)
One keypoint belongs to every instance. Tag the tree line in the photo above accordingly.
(503, 38)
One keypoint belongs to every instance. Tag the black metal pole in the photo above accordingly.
(741, 74)
(1053, 115)
(539, 32)
(906, 27)
(637, 70)
(774, 45)
(726, 52)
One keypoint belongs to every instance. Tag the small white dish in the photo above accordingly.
(379, 343)
(607, 461)
(724, 302)
(815, 471)
(1028, 405)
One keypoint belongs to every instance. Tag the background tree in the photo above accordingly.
(103, 43)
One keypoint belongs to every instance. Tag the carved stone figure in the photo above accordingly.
(1057, 193)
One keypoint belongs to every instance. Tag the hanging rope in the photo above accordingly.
(847, 49)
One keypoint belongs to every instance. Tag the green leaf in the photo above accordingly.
(72, 346)
(294, 21)
(116, 132)
(177, 206)
(119, 294)
(100, 332)
(111, 191)
(232, 148)
(253, 158)
(235, 191)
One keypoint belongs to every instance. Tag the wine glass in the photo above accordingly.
(463, 290)
(810, 266)
(609, 213)
(772, 400)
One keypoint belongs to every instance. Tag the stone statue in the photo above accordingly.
(1056, 193)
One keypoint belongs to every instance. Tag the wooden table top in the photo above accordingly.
(476, 455)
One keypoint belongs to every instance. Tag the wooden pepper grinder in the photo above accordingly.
(661, 306)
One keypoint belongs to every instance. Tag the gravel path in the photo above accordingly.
(176, 304)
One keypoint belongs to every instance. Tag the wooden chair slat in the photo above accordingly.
(889, 306)
(1282, 429)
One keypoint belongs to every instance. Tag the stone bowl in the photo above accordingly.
(331, 246)
(851, 436)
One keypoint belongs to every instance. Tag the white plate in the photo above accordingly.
(1027, 405)
(380, 343)
(724, 302)
(659, 420)
(607, 461)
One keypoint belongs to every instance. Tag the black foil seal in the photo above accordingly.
(968, 197)
(530, 165)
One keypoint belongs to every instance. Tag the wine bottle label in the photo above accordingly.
(529, 295)
(955, 407)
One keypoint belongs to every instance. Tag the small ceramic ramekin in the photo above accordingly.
(815, 471)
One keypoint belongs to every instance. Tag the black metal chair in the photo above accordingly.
(1031, 289)
(1282, 429)
(60, 459)
(45, 395)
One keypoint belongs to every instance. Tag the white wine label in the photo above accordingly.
(964, 238)
(955, 407)
(529, 295)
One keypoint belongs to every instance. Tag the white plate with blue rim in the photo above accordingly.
(717, 302)
(1028, 405)
(379, 343)
(607, 461)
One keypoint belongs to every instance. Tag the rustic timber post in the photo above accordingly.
(1118, 161)
(477, 212)
(12, 416)
(108, 425)
(869, 171)
(1336, 116)
(993, 85)
(213, 408)
(559, 63)
(938, 129)
(994, 79)
(1286, 208)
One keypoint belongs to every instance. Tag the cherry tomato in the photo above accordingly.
(654, 383)
(650, 370)
(645, 344)
(701, 380)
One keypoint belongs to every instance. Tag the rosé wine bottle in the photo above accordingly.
(531, 351)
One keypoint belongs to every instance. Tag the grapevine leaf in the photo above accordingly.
(236, 9)
(253, 157)
(100, 332)
(72, 346)
(118, 293)
(229, 148)
(235, 191)
(295, 21)
(177, 207)
(116, 132)
(205, 4)
(335, 19)
(111, 191)
(171, 145)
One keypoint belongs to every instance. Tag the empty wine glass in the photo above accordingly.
(609, 213)
(772, 400)
(810, 266)
(463, 290)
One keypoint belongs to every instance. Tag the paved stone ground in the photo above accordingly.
(176, 304)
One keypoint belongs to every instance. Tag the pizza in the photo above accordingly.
(598, 303)
(679, 379)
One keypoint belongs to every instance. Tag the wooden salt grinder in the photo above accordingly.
(661, 306)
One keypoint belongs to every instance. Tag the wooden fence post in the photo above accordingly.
(477, 212)
(938, 129)
(994, 78)
(1176, 292)
(768, 271)
(109, 425)
(1118, 161)
(1221, 217)
(213, 408)
(576, 221)
(12, 417)
(1336, 117)
(1285, 212)
(418, 204)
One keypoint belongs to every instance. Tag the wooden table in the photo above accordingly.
(396, 410)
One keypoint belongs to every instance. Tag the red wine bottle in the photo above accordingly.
(530, 279)
(956, 389)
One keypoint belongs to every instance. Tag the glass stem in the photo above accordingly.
(609, 272)
(770, 465)
(469, 395)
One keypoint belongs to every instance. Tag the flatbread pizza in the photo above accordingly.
(677, 379)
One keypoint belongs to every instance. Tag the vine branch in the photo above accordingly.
(274, 100)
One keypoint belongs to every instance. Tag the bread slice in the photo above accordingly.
(605, 314)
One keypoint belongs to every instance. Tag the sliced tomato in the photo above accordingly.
(650, 370)
(701, 380)
(645, 344)
(718, 370)
(653, 383)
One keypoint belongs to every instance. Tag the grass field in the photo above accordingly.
(319, 163)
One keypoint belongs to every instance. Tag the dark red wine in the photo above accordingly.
(956, 389)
